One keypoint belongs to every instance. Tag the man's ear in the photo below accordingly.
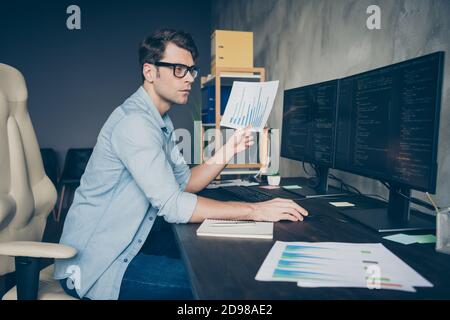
(149, 72)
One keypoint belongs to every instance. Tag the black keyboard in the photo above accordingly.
(281, 193)
(248, 194)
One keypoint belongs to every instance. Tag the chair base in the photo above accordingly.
(49, 288)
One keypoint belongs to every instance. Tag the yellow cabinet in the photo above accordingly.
(231, 49)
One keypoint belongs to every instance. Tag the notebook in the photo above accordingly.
(236, 229)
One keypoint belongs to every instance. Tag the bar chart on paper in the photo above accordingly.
(250, 103)
(333, 264)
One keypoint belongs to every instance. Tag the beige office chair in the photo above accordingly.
(26, 198)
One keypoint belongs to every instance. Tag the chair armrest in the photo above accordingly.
(36, 250)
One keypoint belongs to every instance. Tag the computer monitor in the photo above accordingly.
(309, 126)
(387, 129)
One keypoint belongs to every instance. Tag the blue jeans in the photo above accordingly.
(157, 272)
(150, 277)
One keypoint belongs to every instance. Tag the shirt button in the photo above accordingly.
(151, 218)
(125, 260)
(139, 241)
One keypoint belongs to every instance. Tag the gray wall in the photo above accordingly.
(76, 79)
(300, 42)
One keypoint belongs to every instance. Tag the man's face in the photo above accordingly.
(168, 87)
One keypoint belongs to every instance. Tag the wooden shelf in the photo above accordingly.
(226, 76)
(229, 78)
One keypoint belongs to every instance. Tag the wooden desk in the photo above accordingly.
(221, 268)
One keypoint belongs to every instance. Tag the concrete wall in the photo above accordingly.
(300, 42)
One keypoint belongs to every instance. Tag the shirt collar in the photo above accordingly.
(164, 121)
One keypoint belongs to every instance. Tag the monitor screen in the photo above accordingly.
(388, 122)
(309, 123)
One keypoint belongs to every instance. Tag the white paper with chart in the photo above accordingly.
(250, 103)
(333, 264)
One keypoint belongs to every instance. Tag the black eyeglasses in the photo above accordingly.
(179, 70)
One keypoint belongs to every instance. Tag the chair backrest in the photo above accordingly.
(51, 165)
(75, 164)
(26, 193)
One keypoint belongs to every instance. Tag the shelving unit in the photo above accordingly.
(226, 77)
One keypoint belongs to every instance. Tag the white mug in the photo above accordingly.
(273, 180)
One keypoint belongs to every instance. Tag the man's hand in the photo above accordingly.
(203, 174)
(278, 209)
(273, 210)
(240, 140)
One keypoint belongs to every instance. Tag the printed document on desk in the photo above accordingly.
(250, 103)
(236, 229)
(333, 264)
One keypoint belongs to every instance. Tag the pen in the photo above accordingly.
(232, 224)
(432, 202)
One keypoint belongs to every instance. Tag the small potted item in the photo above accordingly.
(274, 179)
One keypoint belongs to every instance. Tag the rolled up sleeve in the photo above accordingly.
(140, 146)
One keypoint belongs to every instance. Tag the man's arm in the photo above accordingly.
(203, 174)
(140, 147)
(273, 210)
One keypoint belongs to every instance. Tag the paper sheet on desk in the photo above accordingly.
(331, 264)
(410, 239)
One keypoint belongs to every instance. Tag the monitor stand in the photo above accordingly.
(395, 218)
(321, 190)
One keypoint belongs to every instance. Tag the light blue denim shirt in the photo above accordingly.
(135, 173)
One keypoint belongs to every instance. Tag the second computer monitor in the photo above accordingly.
(309, 123)
(388, 122)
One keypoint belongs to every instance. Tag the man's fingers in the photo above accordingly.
(300, 209)
(293, 213)
(297, 211)
(243, 134)
(286, 216)
(248, 130)
(287, 203)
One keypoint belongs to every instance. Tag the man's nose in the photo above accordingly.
(189, 78)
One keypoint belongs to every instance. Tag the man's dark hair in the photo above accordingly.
(152, 48)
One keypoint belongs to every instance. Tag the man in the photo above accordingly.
(136, 173)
